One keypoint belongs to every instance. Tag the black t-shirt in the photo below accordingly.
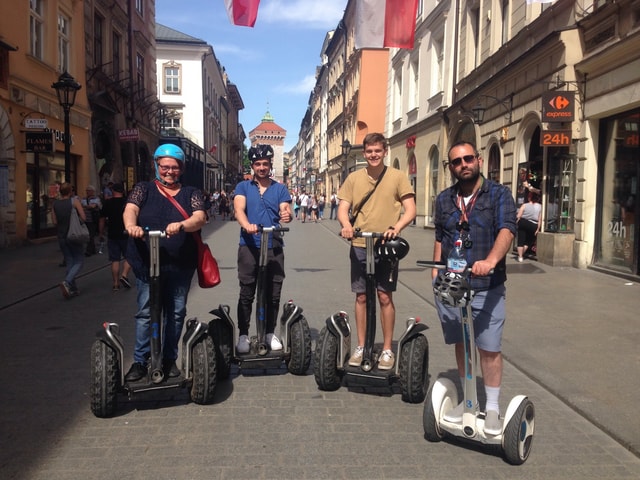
(112, 210)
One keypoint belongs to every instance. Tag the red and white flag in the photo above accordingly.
(386, 23)
(242, 12)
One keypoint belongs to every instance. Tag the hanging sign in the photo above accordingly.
(41, 142)
(555, 138)
(558, 107)
(129, 135)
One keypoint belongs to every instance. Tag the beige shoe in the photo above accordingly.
(356, 358)
(386, 360)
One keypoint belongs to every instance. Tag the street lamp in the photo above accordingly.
(506, 103)
(66, 88)
(346, 148)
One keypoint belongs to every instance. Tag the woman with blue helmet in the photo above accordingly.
(148, 207)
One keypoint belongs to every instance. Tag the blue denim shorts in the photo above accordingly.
(488, 311)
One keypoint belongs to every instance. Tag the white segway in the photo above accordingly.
(516, 436)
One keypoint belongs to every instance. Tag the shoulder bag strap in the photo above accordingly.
(356, 210)
(196, 235)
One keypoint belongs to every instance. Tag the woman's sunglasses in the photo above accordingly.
(456, 162)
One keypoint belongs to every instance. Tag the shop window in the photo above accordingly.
(560, 193)
(619, 167)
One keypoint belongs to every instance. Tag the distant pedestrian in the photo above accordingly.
(334, 206)
(321, 204)
(111, 218)
(304, 206)
(529, 219)
(92, 205)
(73, 252)
(296, 205)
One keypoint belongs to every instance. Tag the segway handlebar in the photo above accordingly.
(359, 234)
(264, 229)
(442, 266)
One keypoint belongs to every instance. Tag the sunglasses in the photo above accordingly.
(163, 168)
(456, 162)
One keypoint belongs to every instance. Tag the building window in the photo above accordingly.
(63, 43)
(116, 54)
(414, 82)
(140, 75)
(493, 165)
(140, 6)
(98, 23)
(397, 96)
(505, 22)
(4, 68)
(36, 28)
(437, 59)
(172, 78)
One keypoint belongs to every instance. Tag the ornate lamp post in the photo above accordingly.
(66, 88)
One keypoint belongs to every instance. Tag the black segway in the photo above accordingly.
(294, 329)
(516, 435)
(333, 348)
(198, 369)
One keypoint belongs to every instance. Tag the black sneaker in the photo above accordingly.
(136, 372)
(125, 282)
(170, 369)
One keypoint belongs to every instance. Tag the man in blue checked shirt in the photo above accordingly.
(482, 214)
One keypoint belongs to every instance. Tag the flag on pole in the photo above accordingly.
(242, 12)
(385, 23)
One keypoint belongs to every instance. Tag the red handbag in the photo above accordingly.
(208, 272)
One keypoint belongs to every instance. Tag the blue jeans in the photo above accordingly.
(174, 290)
(73, 254)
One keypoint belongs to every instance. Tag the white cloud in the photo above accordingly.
(323, 14)
(303, 87)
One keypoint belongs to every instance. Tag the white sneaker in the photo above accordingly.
(244, 345)
(274, 342)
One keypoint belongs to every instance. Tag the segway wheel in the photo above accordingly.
(222, 336)
(204, 371)
(430, 420)
(518, 435)
(325, 362)
(414, 369)
(300, 343)
(105, 379)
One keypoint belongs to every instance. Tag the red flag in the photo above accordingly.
(386, 23)
(242, 12)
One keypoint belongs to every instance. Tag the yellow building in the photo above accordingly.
(39, 41)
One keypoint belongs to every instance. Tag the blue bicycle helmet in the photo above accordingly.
(260, 152)
(171, 151)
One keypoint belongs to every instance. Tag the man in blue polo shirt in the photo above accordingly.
(260, 201)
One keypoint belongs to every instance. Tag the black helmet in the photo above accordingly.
(260, 152)
(391, 250)
(452, 289)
